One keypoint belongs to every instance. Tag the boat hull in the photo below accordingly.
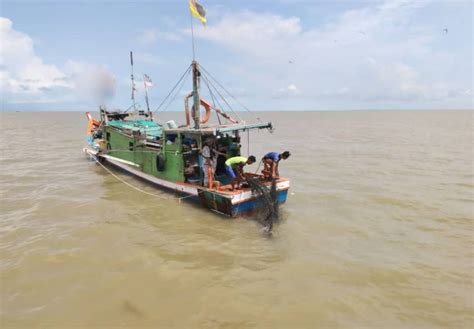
(244, 208)
(235, 204)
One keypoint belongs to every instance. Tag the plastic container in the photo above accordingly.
(171, 124)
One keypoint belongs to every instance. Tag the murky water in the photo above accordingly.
(377, 232)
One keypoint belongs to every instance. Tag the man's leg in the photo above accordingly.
(230, 173)
(206, 176)
(266, 168)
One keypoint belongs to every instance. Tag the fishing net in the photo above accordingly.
(267, 202)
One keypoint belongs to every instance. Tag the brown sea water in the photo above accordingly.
(377, 231)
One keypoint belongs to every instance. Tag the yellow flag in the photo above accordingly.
(198, 11)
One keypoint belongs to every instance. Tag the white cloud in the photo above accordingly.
(150, 36)
(21, 70)
(25, 78)
(374, 52)
(253, 32)
(290, 90)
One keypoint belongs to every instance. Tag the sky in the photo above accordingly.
(270, 55)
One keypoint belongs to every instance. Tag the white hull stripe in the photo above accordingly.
(111, 158)
(156, 180)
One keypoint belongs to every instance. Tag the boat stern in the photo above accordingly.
(243, 202)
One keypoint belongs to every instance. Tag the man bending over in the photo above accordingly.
(234, 168)
(270, 163)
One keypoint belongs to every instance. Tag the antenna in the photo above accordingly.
(133, 82)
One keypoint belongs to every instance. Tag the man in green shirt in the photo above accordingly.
(234, 168)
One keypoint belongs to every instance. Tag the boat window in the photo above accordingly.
(192, 172)
(130, 146)
(191, 168)
(189, 143)
(171, 139)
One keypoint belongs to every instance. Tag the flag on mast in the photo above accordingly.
(147, 81)
(198, 11)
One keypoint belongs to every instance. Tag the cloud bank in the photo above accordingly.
(397, 54)
(25, 78)
(375, 54)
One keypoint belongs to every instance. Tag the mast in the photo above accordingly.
(196, 99)
(197, 11)
(133, 83)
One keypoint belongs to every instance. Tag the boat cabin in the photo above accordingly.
(170, 152)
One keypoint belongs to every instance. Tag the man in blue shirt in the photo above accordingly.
(270, 163)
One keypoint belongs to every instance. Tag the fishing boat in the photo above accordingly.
(170, 156)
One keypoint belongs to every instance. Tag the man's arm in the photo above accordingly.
(240, 171)
(220, 153)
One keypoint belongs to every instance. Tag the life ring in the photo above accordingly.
(160, 162)
(203, 103)
(207, 107)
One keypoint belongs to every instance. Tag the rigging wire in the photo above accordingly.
(223, 98)
(177, 83)
(240, 103)
(128, 109)
(177, 91)
(206, 81)
(213, 99)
